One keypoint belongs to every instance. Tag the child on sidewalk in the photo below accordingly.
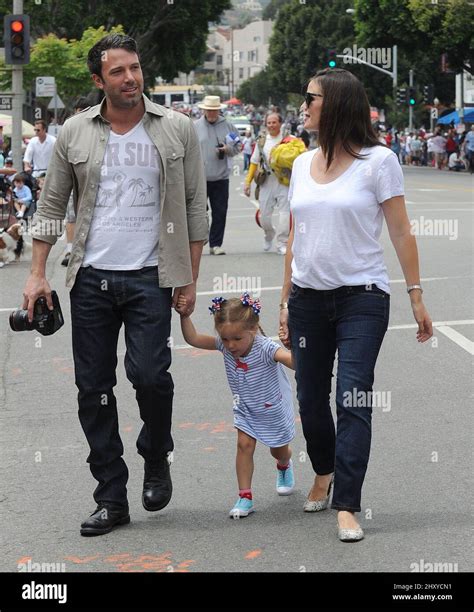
(263, 397)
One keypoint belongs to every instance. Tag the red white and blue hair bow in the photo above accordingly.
(248, 301)
(216, 305)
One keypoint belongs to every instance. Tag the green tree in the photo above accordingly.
(171, 36)
(450, 27)
(302, 36)
(257, 89)
(422, 31)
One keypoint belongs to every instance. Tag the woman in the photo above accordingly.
(335, 293)
(395, 146)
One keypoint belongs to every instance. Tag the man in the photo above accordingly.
(80, 105)
(455, 162)
(39, 150)
(220, 141)
(139, 185)
(469, 149)
(408, 158)
(415, 148)
(273, 196)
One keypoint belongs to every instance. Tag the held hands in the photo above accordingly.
(425, 326)
(182, 305)
(283, 332)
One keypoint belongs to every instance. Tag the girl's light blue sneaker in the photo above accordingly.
(285, 483)
(242, 507)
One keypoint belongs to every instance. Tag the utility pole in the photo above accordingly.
(17, 102)
(232, 62)
(410, 108)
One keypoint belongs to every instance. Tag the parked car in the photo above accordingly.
(242, 124)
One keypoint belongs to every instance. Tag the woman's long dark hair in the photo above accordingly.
(345, 114)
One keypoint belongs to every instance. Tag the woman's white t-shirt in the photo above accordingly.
(338, 224)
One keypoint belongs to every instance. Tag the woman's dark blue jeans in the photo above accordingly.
(353, 321)
(101, 300)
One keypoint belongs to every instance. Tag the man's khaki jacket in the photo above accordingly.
(76, 165)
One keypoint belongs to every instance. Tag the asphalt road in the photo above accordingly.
(417, 492)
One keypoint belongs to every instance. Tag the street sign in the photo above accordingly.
(434, 113)
(5, 103)
(45, 86)
(59, 103)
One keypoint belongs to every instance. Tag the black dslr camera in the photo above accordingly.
(45, 321)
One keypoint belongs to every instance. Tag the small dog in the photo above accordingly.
(12, 244)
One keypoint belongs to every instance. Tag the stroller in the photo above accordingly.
(7, 210)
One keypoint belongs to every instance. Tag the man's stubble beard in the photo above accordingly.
(118, 102)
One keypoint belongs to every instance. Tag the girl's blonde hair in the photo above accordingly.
(237, 310)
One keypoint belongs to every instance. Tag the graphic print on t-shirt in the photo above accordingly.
(127, 208)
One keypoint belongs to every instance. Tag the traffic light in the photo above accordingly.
(17, 39)
(428, 94)
(411, 96)
(401, 95)
(332, 60)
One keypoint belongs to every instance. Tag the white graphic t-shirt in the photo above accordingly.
(126, 221)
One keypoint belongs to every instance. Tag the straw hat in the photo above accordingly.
(211, 103)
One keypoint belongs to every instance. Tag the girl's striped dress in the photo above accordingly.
(262, 394)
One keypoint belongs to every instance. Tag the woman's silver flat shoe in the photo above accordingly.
(320, 504)
(350, 535)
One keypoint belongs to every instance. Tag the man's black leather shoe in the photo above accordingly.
(104, 518)
(157, 486)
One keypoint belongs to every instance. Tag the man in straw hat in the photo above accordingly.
(220, 141)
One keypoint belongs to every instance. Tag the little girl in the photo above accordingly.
(263, 398)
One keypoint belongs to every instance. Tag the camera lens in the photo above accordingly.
(19, 321)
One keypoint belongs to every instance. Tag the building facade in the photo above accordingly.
(233, 56)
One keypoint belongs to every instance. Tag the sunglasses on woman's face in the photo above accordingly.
(309, 97)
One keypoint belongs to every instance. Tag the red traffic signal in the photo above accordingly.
(17, 26)
(17, 39)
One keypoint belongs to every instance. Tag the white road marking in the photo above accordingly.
(277, 288)
(458, 338)
(444, 210)
(441, 326)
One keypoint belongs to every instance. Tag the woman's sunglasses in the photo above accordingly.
(309, 97)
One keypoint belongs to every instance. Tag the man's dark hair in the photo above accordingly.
(81, 103)
(345, 114)
(43, 123)
(111, 41)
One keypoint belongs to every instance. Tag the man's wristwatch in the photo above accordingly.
(283, 305)
(411, 287)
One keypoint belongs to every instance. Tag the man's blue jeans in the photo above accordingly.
(353, 321)
(101, 300)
